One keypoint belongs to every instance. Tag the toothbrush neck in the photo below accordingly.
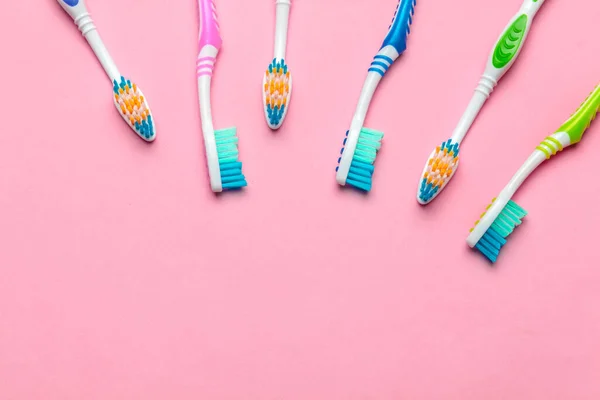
(366, 95)
(531, 7)
(88, 29)
(205, 107)
(281, 28)
(534, 160)
(205, 65)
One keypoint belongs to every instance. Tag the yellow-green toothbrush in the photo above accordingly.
(503, 215)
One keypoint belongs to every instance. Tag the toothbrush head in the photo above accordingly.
(277, 89)
(134, 109)
(438, 171)
(230, 166)
(357, 156)
(490, 237)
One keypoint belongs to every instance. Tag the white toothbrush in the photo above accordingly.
(277, 81)
(128, 98)
(443, 161)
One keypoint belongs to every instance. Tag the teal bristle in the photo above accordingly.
(229, 164)
(495, 237)
(361, 170)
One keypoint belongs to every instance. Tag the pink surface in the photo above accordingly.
(124, 277)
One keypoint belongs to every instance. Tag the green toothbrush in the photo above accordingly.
(503, 215)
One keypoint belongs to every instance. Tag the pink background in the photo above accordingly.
(124, 277)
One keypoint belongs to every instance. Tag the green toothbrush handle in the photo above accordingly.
(576, 126)
(573, 129)
(511, 40)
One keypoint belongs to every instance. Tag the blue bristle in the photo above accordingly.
(359, 185)
(427, 190)
(276, 115)
(231, 172)
(494, 239)
(150, 124)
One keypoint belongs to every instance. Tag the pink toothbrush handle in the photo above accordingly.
(209, 26)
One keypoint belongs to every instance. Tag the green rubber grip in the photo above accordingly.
(580, 121)
(510, 42)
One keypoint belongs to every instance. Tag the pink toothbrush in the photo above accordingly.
(222, 153)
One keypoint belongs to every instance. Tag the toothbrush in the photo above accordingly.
(277, 82)
(443, 161)
(491, 231)
(355, 166)
(224, 169)
(128, 97)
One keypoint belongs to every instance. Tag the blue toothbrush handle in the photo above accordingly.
(400, 27)
(394, 43)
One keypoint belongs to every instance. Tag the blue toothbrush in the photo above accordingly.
(355, 165)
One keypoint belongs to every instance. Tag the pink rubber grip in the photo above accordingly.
(209, 26)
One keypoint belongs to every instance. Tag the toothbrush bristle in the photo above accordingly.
(133, 107)
(361, 170)
(495, 237)
(229, 165)
(277, 90)
(438, 171)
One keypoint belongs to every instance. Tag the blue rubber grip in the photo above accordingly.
(400, 26)
(71, 3)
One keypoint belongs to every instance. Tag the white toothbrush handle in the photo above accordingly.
(78, 11)
(505, 52)
(282, 9)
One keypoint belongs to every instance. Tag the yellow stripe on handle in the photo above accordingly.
(556, 142)
(543, 150)
(550, 146)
